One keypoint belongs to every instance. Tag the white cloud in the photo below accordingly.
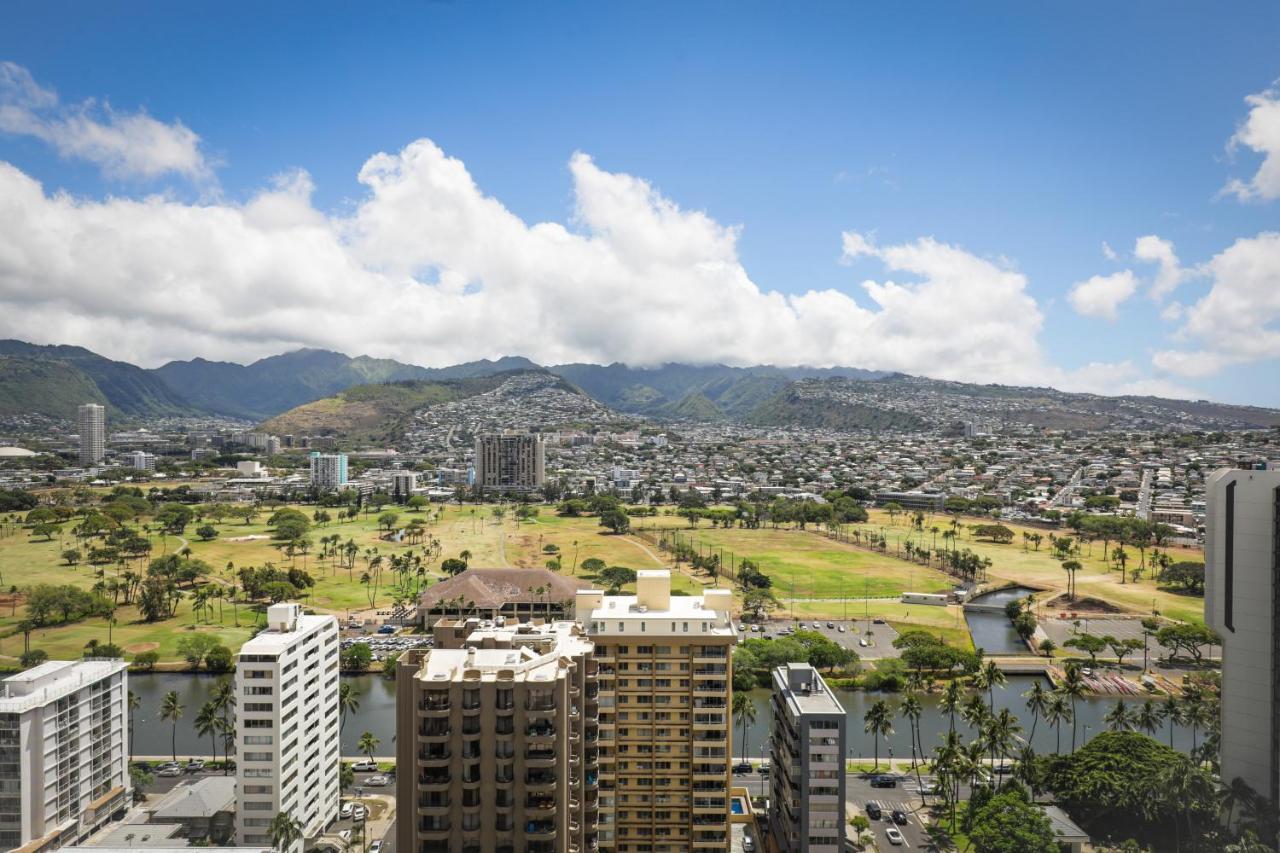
(1108, 252)
(123, 145)
(1156, 250)
(1259, 132)
(1101, 295)
(1238, 320)
(430, 270)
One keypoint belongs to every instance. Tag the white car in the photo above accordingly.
(378, 781)
(172, 770)
(344, 835)
(375, 847)
(894, 836)
(359, 813)
(344, 811)
(365, 765)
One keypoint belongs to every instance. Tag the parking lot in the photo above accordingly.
(1061, 630)
(384, 645)
(852, 634)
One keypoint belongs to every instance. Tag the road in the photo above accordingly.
(1067, 490)
(1144, 496)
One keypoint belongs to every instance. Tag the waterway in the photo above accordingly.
(991, 630)
(377, 715)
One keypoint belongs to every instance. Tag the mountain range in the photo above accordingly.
(53, 380)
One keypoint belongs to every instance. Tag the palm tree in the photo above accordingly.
(1002, 731)
(879, 722)
(1037, 700)
(1235, 794)
(1175, 713)
(1148, 717)
(1057, 712)
(950, 701)
(171, 709)
(1118, 719)
(207, 724)
(911, 709)
(133, 703)
(989, 677)
(744, 714)
(347, 701)
(1184, 782)
(284, 831)
(1073, 688)
(368, 743)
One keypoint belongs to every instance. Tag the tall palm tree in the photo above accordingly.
(744, 714)
(206, 723)
(1148, 717)
(284, 831)
(171, 709)
(1184, 782)
(879, 722)
(1235, 794)
(1037, 700)
(133, 703)
(1057, 712)
(368, 743)
(1003, 730)
(1175, 713)
(911, 709)
(950, 702)
(347, 701)
(1118, 718)
(1073, 688)
(991, 677)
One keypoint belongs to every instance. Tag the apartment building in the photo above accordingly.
(93, 434)
(497, 741)
(287, 751)
(328, 471)
(665, 722)
(140, 460)
(403, 484)
(806, 807)
(510, 462)
(1242, 603)
(64, 761)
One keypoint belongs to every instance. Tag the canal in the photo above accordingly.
(377, 715)
(990, 628)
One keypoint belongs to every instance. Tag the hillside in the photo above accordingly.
(808, 405)
(376, 414)
(53, 380)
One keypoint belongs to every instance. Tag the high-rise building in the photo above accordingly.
(806, 806)
(287, 751)
(403, 483)
(496, 749)
(93, 434)
(510, 462)
(665, 724)
(1242, 603)
(64, 759)
(328, 470)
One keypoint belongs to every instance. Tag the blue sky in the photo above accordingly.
(1022, 135)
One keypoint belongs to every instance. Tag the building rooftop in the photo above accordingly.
(286, 623)
(52, 680)
(804, 691)
(653, 609)
(527, 653)
(489, 589)
(202, 799)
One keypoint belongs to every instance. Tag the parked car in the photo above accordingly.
(877, 621)
(344, 835)
(831, 624)
(169, 771)
(743, 768)
(764, 769)
(894, 836)
(862, 641)
(365, 765)
(344, 811)
(194, 765)
(378, 781)
(387, 629)
(884, 781)
(873, 810)
(747, 844)
(899, 817)
(375, 847)
(840, 629)
(359, 813)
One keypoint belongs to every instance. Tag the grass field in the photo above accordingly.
(812, 573)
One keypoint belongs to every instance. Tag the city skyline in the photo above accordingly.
(791, 205)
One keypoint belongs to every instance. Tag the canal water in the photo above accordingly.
(990, 629)
(377, 715)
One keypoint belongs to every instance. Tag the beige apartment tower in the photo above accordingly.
(510, 462)
(93, 434)
(497, 741)
(665, 723)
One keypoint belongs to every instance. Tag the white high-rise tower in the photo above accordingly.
(93, 434)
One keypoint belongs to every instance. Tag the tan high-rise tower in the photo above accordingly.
(93, 434)
(665, 724)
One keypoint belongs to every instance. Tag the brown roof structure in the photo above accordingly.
(490, 589)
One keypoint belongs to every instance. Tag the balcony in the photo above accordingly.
(434, 753)
(540, 757)
(434, 706)
(540, 803)
(540, 830)
(540, 778)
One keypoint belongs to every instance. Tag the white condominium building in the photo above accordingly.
(1242, 603)
(93, 434)
(287, 726)
(328, 471)
(63, 752)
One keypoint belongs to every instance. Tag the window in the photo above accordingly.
(1229, 561)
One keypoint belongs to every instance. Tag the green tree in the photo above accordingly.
(744, 715)
(615, 578)
(348, 702)
(171, 709)
(1010, 823)
(368, 743)
(207, 723)
(616, 520)
(284, 831)
(878, 721)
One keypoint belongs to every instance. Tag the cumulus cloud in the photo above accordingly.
(1156, 250)
(123, 145)
(1238, 319)
(427, 268)
(1259, 132)
(1101, 295)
